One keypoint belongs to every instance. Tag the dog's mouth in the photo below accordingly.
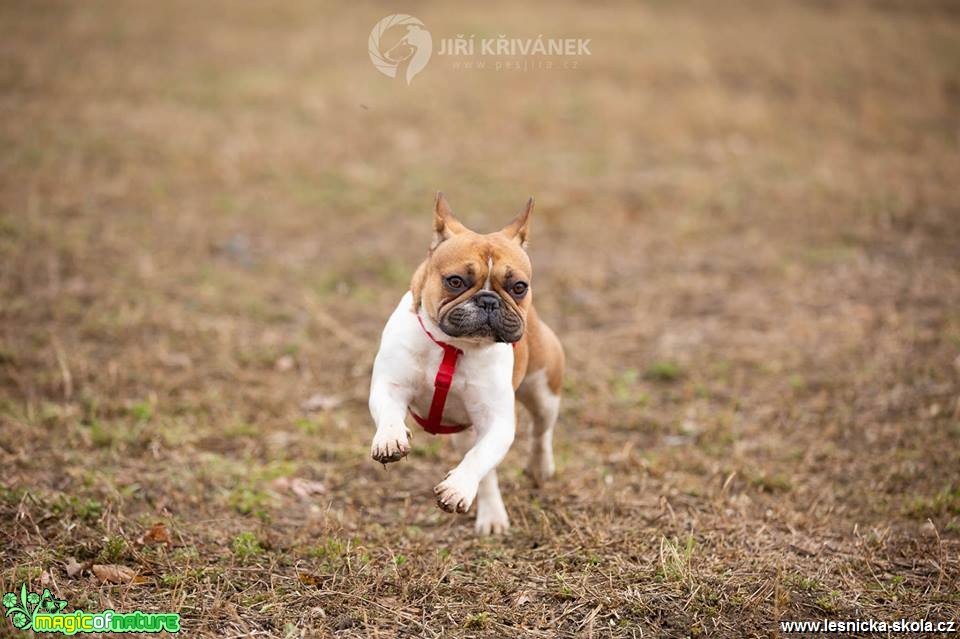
(497, 324)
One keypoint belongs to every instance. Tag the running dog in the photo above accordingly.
(464, 343)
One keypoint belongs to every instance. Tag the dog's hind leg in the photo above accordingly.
(544, 406)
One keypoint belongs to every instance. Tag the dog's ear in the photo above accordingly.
(445, 225)
(520, 227)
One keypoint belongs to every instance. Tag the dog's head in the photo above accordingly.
(476, 286)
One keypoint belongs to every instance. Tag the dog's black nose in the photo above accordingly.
(487, 300)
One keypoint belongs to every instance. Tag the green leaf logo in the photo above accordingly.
(20, 621)
(50, 604)
(22, 609)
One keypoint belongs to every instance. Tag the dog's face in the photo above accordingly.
(476, 286)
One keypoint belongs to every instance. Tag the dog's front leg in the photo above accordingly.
(492, 516)
(495, 431)
(388, 406)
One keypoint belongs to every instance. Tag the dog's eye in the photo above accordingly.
(455, 282)
(519, 289)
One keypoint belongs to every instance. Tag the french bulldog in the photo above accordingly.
(464, 343)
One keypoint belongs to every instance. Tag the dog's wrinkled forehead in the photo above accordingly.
(462, 262)
(482, 257)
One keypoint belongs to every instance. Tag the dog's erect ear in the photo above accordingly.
(520, 227)
(444, 224)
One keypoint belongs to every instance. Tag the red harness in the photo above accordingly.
(441, 386)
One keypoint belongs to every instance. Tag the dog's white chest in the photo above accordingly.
(454, 410)
(410, 359)
(476, 377)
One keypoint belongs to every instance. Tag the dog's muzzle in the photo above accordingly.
(484, 315)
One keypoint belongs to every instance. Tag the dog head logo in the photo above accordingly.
(400, 46)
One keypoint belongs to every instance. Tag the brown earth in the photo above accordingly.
(747, 237)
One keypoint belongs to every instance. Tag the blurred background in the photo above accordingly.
(746, 236)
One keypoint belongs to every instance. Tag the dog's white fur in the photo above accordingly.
(481, 394)
(544, 406)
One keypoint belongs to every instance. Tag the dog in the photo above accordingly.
(462, 346)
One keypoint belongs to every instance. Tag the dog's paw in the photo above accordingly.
(390, 444)
(491, 520)
(455, 494)
(540, 468)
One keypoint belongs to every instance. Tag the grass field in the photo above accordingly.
(747, 237)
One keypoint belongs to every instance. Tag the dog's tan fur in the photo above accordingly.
(457, 249)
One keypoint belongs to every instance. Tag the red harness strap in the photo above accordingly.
(441, 386)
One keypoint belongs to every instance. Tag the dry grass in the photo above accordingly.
(747, 238)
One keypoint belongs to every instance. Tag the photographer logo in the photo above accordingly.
(400, 46)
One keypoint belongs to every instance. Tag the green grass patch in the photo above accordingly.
(829, 602)
(113, 551)
(141, 411)
(246, 547)
(250, 501)
(87, 510)
(801, 583)
(331, 548)
(675, 558)
(946, 502)
(428, 450)
(663, 371)
(477, 621)
(774, 483)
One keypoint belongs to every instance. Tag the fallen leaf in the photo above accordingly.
(158, 534)
(320, 401)
(285, 363)
(45, 578)
(115, 574)
(305, 488)
(307, 579)
(72, 567)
